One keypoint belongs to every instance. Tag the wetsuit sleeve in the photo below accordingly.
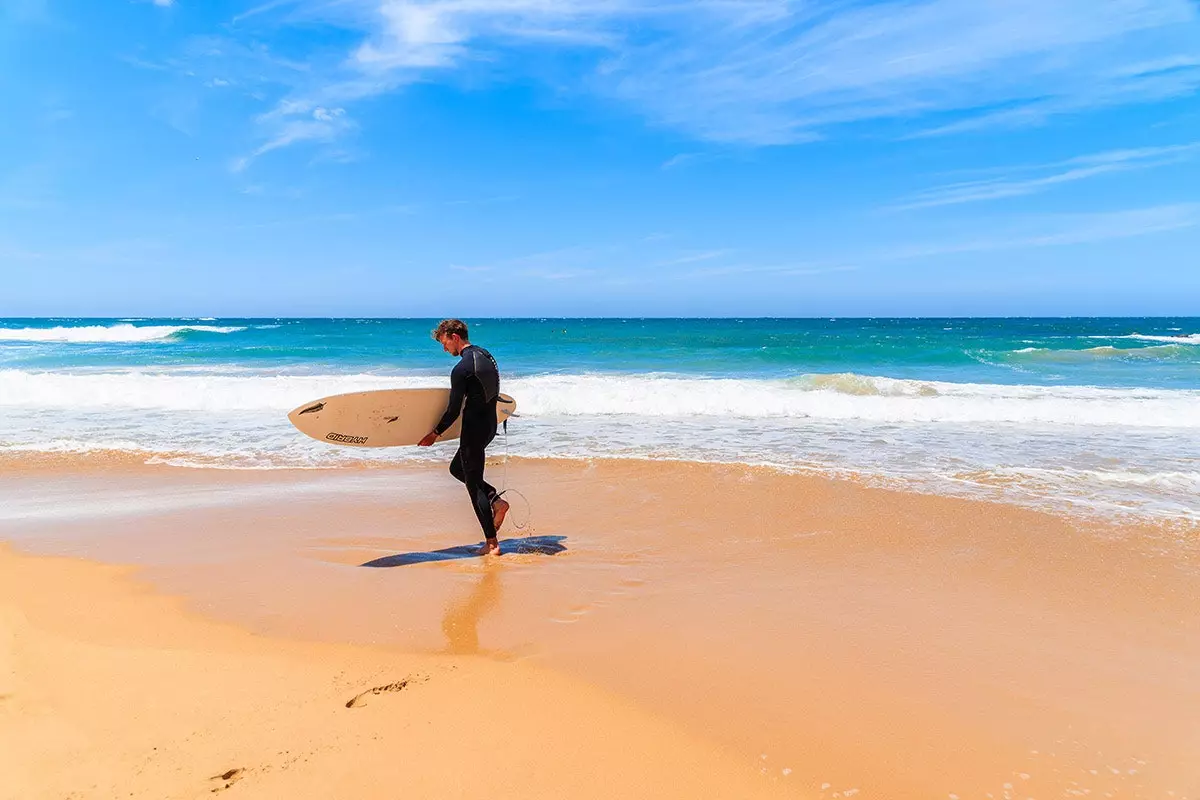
(458, 391)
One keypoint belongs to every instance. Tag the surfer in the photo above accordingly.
(477, 379)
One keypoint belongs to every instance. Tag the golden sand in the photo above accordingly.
(656, 630)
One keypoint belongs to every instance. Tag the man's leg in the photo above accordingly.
(456, 466)
(456, 469)
(499, 504)
(481, 493)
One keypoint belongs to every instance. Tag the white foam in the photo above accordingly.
(102, 333)
(52, 506)
(855, 397)
(1193, 338)
(77, 446)
(816, 397)
(182, 391)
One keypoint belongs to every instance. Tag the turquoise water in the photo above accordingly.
(1154, 352)
(1099, 415)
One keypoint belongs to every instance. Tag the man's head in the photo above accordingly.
(452, 333)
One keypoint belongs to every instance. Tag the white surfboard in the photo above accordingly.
(382, 418)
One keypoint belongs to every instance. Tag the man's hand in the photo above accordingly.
(429, 439)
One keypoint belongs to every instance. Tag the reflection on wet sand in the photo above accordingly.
(461, 621)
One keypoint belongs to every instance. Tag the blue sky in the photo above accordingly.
(588, 157)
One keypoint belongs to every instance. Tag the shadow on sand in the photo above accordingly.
(541, 545)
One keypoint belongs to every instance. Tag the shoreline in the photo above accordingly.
(902, 645)
(106, 460)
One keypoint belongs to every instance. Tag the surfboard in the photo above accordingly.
(382, 418)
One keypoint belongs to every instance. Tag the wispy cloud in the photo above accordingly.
(1134, 83)
(116, 252)
(772, 71)
(554, 258)
(320, 124)
(47, 258)
(557, 274)
(142, 63)
(264, 8)
(1050, 230)
(575, 261)
(307, 220)
(1055, 230)
(487, 200)
(692, 258)
(843, 63)
(332, 217)
(680, 160)
(164, 3)
(1033, 179)
(776, 270)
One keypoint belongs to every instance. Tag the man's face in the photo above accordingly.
(452, 343)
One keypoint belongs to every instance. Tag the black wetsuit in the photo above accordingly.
(477, 379)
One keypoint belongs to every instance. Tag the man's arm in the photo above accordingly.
(458, 391)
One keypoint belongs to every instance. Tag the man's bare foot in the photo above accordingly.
(499, 510)
(491, 547)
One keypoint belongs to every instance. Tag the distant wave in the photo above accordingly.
(865, 385)
(1193, 338)
(101, 333)
(822, 397)
(1103, 352)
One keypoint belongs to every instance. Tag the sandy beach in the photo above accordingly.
(839, 361)
(653, 630)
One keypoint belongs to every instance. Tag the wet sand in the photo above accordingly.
(792, 634)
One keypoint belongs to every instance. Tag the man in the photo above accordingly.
(477, 379)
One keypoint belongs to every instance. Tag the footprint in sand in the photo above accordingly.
(229, 778)
(360, 699)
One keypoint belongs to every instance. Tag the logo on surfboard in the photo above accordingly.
(344, 439)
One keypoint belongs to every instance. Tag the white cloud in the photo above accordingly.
(327, 114)
(272, 5)
(558, 275)
(692, 258)
(164, 3)
(679, 160)
(790, 79)
(323, 129)
(1053, 174)
(787, 270)
(1020, 233)
(778, 71)
(1062, 229)
(297, 123)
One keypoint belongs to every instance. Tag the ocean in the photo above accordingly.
(1092, 416)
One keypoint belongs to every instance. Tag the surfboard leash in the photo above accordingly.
(505, 490)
